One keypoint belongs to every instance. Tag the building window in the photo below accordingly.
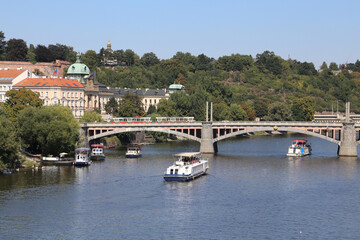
(46, 94)
(76, 95)
(63, 94)
(55, 94)
(42, 94)
(68, 94)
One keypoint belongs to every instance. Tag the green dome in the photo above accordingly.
(176, 86)
(78, 67)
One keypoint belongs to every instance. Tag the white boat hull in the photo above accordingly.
(186, 172)
(298, 152)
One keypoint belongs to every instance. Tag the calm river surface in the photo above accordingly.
(252, 191)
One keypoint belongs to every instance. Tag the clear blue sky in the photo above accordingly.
(306, 30)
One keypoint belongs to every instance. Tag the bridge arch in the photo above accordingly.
(137, 129)
(280, 129)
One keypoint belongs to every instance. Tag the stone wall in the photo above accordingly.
(48, 68)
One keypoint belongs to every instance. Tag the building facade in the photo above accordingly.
(66, 92)
(10, 77)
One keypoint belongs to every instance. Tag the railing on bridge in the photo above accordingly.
(148, 119)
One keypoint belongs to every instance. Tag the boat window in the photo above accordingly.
(171, 171)
(176, 171)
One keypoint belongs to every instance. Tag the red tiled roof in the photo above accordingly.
(11, 73)
(49, 82)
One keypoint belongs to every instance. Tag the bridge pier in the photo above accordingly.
(348, 145)
(84, 135)
(206, 144)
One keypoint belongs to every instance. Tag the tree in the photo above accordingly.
(31, 56)
(268, 60)
(19, 100)
(203, 62)
(261, 107)
(279, 111)
(237, 113)
(9, 145)
(112, 106)
(167, 108)
(221, 112)
(16, 50)
(303, 109)
(149, 59)
(92, 116)
(2, 46)
(48, 130)
(151, 110)
(90, 58)
(333, 66)
(323, 66)
(43, 54)
(130, 106)
(235, 62)
(130, 57)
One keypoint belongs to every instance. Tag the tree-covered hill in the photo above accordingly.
(257, 85)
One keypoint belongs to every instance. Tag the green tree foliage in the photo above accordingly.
(9, 145)
(2, 46)
(203, 63)
(167, 108)
(303, 109)
(16, 50)
(91, 59)
(261, 107)
(235, 62)
(323, 66)
(151, 110)
(92, 116)
(130, 106)
(31, 56)
(19, 100)
(333, 66)
(43, 54)
(279, 111)
(149, 59)
(268, 60)
(48, 130)
(112, 107)
(237, 113)
(130, 57)
(221, 111)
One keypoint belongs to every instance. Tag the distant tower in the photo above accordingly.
(108, 47)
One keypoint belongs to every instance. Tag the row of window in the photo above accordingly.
(69, 95)
(5, 88)
(150, 101)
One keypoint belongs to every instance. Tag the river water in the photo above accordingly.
(252, 191)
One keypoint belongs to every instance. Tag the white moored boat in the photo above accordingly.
(82, 157)
(97, 152)
(188, 166)
(133, 151)
(299, 148)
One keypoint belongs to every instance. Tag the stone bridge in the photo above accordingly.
(209, 133)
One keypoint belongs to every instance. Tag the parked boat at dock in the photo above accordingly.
(133, 151)
(299, 148)
(97, 152)
(82, 157)
(188, 166)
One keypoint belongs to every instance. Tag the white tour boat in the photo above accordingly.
(82, 157)
(97, 152)
(133, 151)
(299, 148)
(188, 166)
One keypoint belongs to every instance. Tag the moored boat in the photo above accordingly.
(82, 157)
(299, 148)
(133, 151)
(188, 166)
(97, 152)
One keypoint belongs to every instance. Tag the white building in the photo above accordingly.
(10, 77)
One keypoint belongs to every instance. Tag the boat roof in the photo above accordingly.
(187, 154)
(300, 141)
(82, 149)
(97, 145)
